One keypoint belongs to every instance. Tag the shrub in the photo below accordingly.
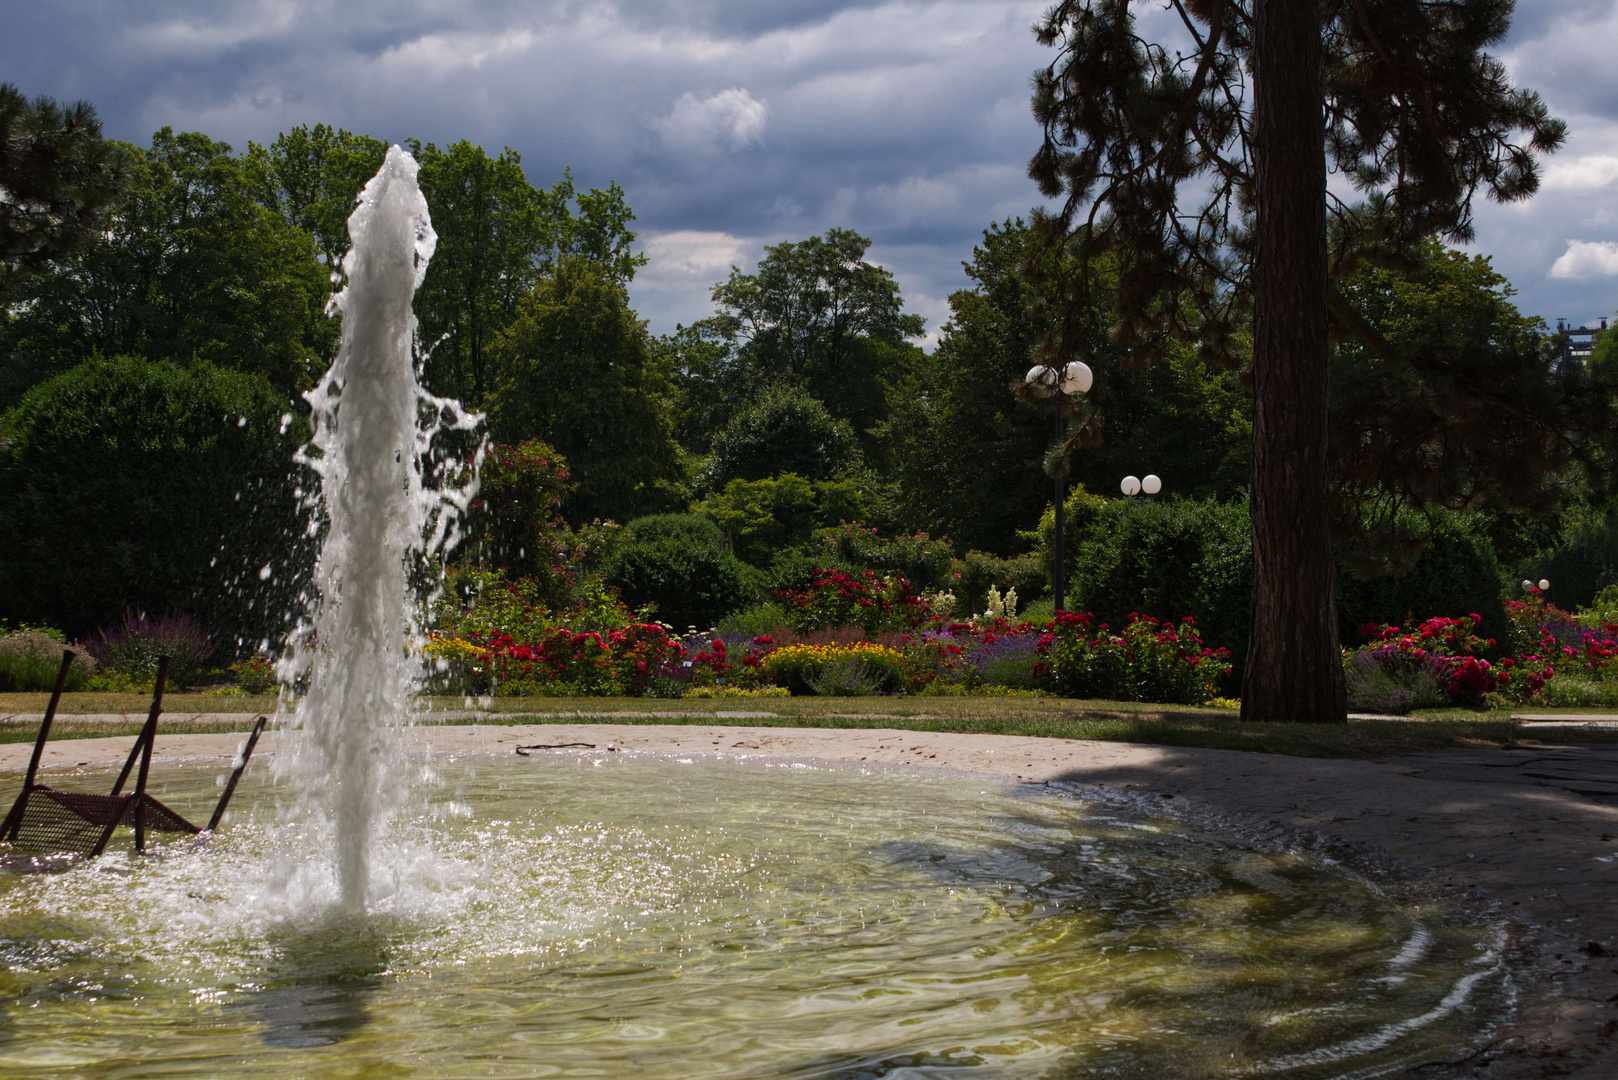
(1151, 660)
(677, 563)
(131, 484)
(1171, 560)
(784, 430)
(764, 517)
(975, 573)
(30, 660)
(1457, 571)
(515, 521)
(1445, 651)
(919, 559)
(797, 667)
(255, 675)
(1584, 562)
(557, 661)
(131, 650)
(858, 598)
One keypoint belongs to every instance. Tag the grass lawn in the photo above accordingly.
(1164, 725)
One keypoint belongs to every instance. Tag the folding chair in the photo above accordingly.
(47, 820)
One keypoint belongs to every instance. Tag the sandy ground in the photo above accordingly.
(1533, 832)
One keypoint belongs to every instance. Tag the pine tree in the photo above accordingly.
(1200, 166)
(57, 176)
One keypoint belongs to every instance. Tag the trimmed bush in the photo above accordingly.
(1457, 574)
(133, 484)
(678, 562)
(1584, 563)
(1168, 559)
(784, 430)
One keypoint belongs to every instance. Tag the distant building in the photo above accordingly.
(1578, 341)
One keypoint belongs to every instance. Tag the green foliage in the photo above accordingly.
(1169, 559)
(30, 660)
(1583, 562)
(58, 177)
(972, 575)
(576, 369)
(783, 430)
(190, 268)
(1418, 411)
(1456, 573)
(677, 562)
(310, 178)
(815, 316)
(514, 522)
(1147, 661)
(920, 560)
(140, 484)
(764, 517)
(680, 528)
(131, 653)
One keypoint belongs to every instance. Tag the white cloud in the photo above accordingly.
(1586, 259)
(694, 252)
(1582, 174)
(726, 122)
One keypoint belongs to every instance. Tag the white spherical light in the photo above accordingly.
(1527, 585)
(1040, 375)
(1151, 484)
(1130, 486)
(1077, 378)
(1543, 584)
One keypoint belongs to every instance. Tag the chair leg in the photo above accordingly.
(146, 756)
(13, 823)
(236, 774)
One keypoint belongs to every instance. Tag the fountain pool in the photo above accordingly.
(603, 915)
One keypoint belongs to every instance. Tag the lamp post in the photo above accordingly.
(1057, 387)
(1149, 484)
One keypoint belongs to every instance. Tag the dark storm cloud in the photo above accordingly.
(735, 123)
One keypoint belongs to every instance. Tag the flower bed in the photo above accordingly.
(1151, 660)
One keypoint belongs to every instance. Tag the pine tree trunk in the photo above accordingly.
(1294, 665)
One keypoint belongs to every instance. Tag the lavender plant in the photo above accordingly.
(130, 651)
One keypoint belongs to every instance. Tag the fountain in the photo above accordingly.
(618, 915)
(371, 450)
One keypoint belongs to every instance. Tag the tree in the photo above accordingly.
(814, 315)
(576, 369)
(189, 268)
(1468, 404)
(58, 178)
(1415, 116)
(497, 236)
(967, 456)
(310, 178)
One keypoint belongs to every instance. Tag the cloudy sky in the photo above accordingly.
(737, 123)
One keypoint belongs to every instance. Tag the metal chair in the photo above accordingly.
(45, 820)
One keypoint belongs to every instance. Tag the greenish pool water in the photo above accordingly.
(602, 916)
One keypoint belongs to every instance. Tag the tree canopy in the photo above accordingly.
(576, 368)
(816, 315)
(58, 177)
